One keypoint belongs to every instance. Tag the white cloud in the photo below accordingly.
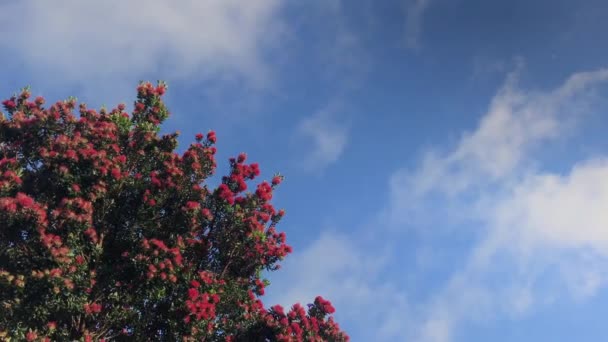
(414, 11)
(435, 330)
(516, 124)
(560, 211)
(547, 227)
(534, 225)
(325, 137)
(106, 40)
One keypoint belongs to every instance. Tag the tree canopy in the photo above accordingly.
(108, 234)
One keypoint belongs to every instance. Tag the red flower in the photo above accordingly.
(192, 293)
(31, 336)
(9, 104)
(159, 244)
(264, 191)
(207, 213)
(116, 173)
(88, 308)
(96, 307)
(255, 168)
(226, 194)
(211, 137)
(92, 234)
(215, 298)
(324, 305)
(199, 137)
(24, 200)
(79, 259)
(191, 205)
(278, 309)
(71, 154)
(276, 180)
(178, 259)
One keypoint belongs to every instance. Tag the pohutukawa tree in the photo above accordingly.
(108, 234)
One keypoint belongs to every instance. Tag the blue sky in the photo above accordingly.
(446, 163)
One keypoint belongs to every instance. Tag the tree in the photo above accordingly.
(106, 233)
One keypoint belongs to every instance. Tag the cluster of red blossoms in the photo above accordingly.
(297, 322)
(109, 234)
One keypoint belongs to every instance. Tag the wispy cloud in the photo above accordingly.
(92, 41)
(414, 12)
(533, 224)
(544, 240)
(324, 137)
(569, 211)
(517, 122)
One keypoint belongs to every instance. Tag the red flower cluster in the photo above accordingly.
(264, 191)
(298, 325)
(31, 336)
(324, 305)
(200, 305)
(225, 193)
(92, 308)
(162, 262)
(211, 137)
(276, 180)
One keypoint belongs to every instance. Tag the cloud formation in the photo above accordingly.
(569, 211)
(103, 40)
(324, 138)
(414, 12)
(533, 223)
(517, 123)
